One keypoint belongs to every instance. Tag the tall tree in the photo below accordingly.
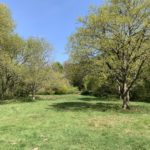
(35, 67)
(120, 33)
(6, 22)
(11, 50)
(6, 32)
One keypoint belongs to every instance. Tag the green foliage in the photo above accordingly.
(108, 52)
(141, 90)
(58, 67)
(57, 84)
(11, 52)
(35, 68)
(118, 35)
(6, 23)
(23, 63)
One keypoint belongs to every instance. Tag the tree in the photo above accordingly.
(57, 66)
(23, 64)
(8, 46)
(6, 22)
(11, 50)
(75, 73)
(141, 89)
(120, 33)
(35, 68)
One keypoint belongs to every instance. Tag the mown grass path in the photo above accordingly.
(74, 122)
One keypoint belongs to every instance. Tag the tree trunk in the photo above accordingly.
(125, 97)
(33, 95)
(3, 90)
(119, 92)
(125, 103)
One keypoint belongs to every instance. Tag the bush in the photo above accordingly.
(73, 90)
(58, 89)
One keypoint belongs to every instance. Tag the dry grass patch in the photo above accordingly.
(109, 121)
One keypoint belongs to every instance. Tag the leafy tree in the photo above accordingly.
(88, 75)
(141, 89)
(10, 48)
(57, 66)
(9, 63)
(6, 22)
(23, 64)
(119, 32)
(74, 73)
(35, 68)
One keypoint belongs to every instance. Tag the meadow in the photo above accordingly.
(74, 122)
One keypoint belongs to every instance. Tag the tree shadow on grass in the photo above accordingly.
(79, 106)
(144, 100)
(100, 106)
(27, 99)
(98, 99)
(90, 98)
(17, 100)
(112, 98)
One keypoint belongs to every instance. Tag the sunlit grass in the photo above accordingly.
(74, 122)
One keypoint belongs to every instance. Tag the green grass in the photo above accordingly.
(74, 122)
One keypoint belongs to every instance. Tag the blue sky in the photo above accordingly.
(54, 20)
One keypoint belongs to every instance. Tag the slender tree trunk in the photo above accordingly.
(33, 94)
(119, 92)
(33, 90)
(3, 90)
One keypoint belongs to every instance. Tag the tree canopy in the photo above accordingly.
(118, 33)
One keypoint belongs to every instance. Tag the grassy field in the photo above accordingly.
(74, 122)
